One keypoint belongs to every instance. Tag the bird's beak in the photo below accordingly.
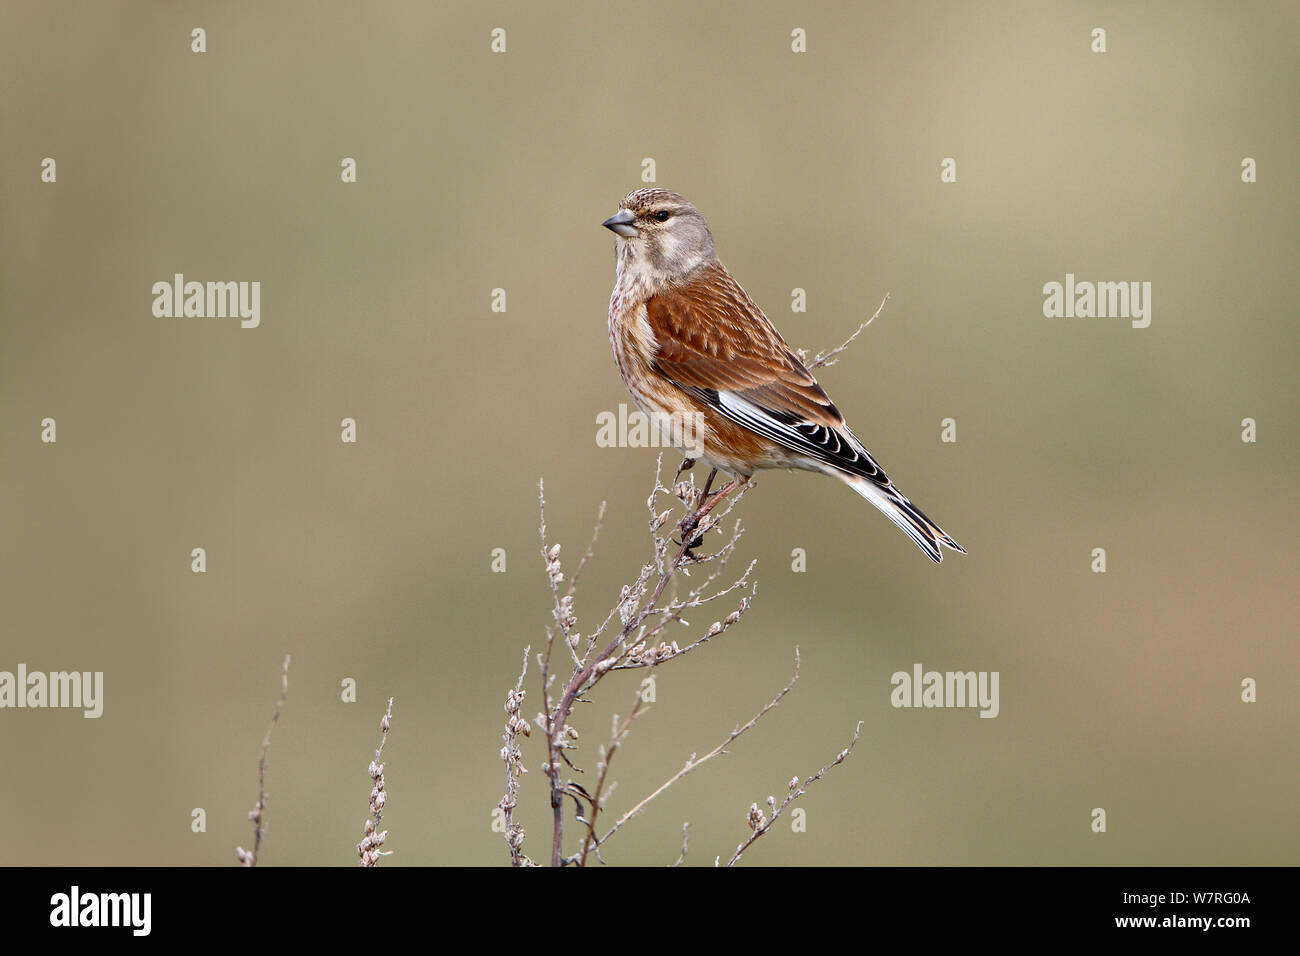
(622, 224)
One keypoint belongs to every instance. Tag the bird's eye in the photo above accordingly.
(661, 215)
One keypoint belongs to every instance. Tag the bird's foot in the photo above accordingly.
(692, 534)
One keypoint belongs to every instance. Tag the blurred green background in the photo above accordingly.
(479, 170)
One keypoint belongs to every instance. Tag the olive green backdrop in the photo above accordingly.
(480, 171)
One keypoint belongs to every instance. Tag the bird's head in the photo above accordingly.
(660, 235)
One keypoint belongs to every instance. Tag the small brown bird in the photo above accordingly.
(693, 347)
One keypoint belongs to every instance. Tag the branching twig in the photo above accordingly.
(591, 549)
(828, 358)
(637, 603)
(514, 761)
(597, 798)
(682, 857)
(249, 857)
(759, 824)
(695, 762)
(562, 612)
(373, 838)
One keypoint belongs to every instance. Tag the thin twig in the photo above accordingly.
(249, 857)
(760, 825)
(828, 358)
(694, 763)
(373, 838)
(514, 760)
(562, 612)
(682, 857)
(598, 795)
(591, 548)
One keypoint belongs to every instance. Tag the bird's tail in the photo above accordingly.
(911, 519)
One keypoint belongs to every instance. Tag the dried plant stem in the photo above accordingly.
(596, 800)
(695, 762)
(514, 760)
(249, 857)
(373, 838)
(681, 858)
(587, 671)
(759, 825)
(828, 358)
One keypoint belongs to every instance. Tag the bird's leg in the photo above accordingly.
(722, 493)
(691, 520)
(708, 483)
